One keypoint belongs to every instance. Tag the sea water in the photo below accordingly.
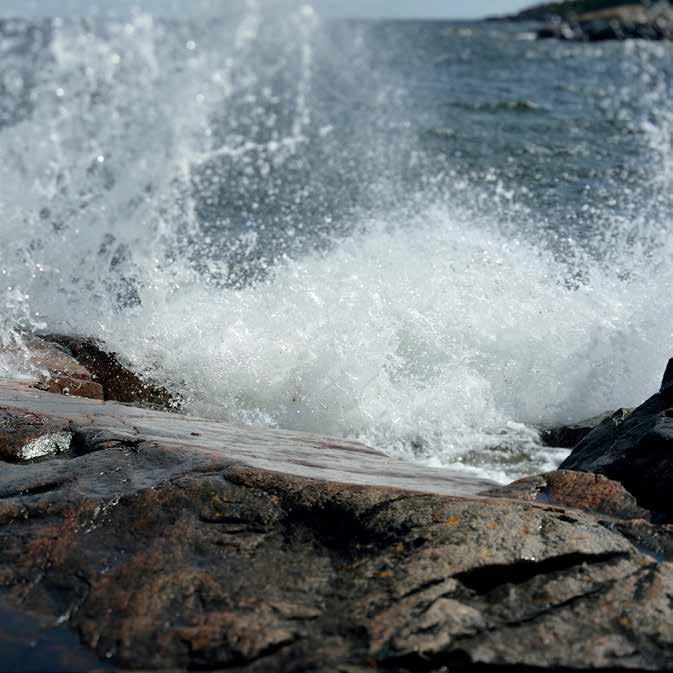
(430, 236)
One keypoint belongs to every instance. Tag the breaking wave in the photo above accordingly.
(230, 212)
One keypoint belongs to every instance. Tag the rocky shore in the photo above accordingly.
(601, 20)
(136, 538)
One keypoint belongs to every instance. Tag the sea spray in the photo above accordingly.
(247, 214)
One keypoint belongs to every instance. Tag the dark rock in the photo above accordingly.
(623, 22)
(163, 544)
(568, 436)
(652, 539)
(560, 30)
(636, 451)
(118, 383)
(667, 381)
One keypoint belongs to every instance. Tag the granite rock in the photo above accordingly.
(176, 550)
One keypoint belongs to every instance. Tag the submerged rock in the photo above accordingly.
(637, 451)
(172, 543)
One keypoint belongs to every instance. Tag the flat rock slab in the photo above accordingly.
(203, 441)
(164, 542)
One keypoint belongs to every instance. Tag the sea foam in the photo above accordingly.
(438, 327)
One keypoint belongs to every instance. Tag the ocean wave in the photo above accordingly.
(169, 196)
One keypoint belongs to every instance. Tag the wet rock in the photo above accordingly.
(578, 490)
(26, 435)
(568, 436)
(259, 571)
(116, 381)
(636, 451)
(655, 540)
(58, 371)
(167, 543)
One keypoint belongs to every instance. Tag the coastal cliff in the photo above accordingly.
(145, 539)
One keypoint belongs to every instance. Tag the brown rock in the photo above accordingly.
(116, 381)
(57, 371)
(577, 490)
(163, 550)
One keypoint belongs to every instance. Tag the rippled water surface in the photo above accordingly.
(429, 236)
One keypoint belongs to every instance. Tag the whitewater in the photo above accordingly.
(245, 213)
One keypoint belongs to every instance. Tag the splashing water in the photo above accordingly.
(250, 215)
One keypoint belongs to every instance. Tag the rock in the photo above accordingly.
(81, 368)
(652, 539)
(568, 436)
(613, 505)
(58, 371)
(637, 450)
(578, 490)
(116, 381)
(26, 436)
(624, 22)
(100, 425)
(171, 543)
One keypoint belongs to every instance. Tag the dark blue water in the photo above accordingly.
(34, 645)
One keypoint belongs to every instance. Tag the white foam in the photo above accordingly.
(436, 333)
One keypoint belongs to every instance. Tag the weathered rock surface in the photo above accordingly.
(577, 490)
(607, 500)
(637, 450)
(26, 436)
(137, 539)
(165, 542)
(96, 425)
